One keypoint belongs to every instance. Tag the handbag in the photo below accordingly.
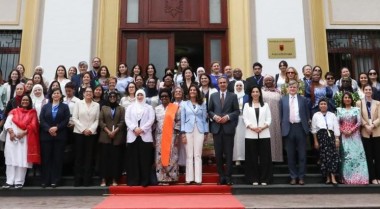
(3, 135)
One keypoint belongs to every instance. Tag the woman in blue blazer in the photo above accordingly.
(194, 128)
(54, 118)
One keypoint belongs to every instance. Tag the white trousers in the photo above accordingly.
(194, 146)
(15, 175)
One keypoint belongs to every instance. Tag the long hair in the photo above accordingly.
(192, 74)
(118, 71)
(154, 72)
(132, 70)
(199, 98)
(295, 74)
(18, 77)
(52, 92)
(107, 71)
(352, 99)
(368, 80)
(56, 75)
(261, 101)
(209, 80)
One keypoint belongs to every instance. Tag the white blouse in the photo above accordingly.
(319, 122)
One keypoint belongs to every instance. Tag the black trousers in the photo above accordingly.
(110, 161)
(224, 145)
(258, 161)
(84, 147)
(139, 167)
(372, 153)
(52, 152)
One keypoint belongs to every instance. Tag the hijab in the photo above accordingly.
(17, 97)
(140, 106)
(36, 99)
(240, 94)
(113, 105)
(151, 92)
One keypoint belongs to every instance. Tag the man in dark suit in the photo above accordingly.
(77, 79)
(255, 80)
(224, 113)
(295, 118)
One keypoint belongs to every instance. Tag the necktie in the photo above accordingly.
(222, 99)
(369, 109)
(292, 116)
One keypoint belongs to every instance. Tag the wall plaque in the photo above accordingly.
(281, 48)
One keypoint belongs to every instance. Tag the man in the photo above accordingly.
(77, 79)
(238, 75)
(228, 73)
(307, 71)
(256, 79)
(295, 127)
(111, 88)
(96, 63)
(224, 112)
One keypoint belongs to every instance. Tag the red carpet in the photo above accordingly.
(171, 201)
(175, 189)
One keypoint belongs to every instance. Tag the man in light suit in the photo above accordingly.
(295, 118)
(223, 112)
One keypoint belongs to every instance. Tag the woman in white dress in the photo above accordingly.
(239, 139)
(22, 147)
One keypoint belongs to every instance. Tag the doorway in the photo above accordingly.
(190, 45)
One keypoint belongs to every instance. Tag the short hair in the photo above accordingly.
(283, 62)
(51, 94)
(70, 85)
(293, 82)
(257, 64)
(165, 90)
(112, 78)
(303, 68)
(82, 63)
(209, 80)
(329, 74)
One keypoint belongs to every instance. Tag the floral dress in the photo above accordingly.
(354, 165)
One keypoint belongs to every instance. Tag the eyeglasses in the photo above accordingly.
(290, 73)
(164, 96)
(372, 73)
(330, 78)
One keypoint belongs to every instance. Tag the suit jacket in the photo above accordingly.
(61, 120)
(191, 117)
(251, 82)
(304, 113)
(230, 108)
(249, 117)
(77, 80)
(106, 120)
(186, 89)
(146, 123)
(375, 117)
(85, 117)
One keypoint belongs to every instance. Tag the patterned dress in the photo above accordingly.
(167, 174)
(354, 164)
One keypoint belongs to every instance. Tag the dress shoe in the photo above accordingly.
(301, 182)
(188, 183)
(222, 181)
(54, 185)
(375, 181)
(255, 183)
(7, 186)
(19, 186)
(198, 183)
(293, 182)
(263, 184)
(229, 182)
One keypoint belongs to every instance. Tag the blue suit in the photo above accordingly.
(191, 117)
(295, 135)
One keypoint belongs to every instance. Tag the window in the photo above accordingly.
(10, 44)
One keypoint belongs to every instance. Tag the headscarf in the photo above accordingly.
(112, 104)
(200, 69)
(273, 89)
(241, 93)
(36, 99)
(17, 97)
(140, 105)
(151, 92)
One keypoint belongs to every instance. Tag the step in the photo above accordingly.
(59, 191)
(281, 179)
(172, 189)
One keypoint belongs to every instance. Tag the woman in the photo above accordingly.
(112, 82)
(72, 72)
(16, 101)
(189, 80)
(292, 74)
(318, 69)
(129, 97)
(330, 82)
(167, 82)
(363, 81)
(151, 71)
(38, 98)
(28, 87)
(2, 98)
(194, 128)
(178, 73)
(200, 72)
(206, 88)
(38, 79)
(325, 130)
(54, 118)
(22, 147)
(258, 160)
(102, 77)
(40, 70)
(151, 92)
(86, 82)
(85, 117)
(345, 74)
(98, 96)
(136, 70)
(139, 81)
(272, 96)
(111, 140)
(345, 87)
(215, 74)
(14, 78)
(168, 123)
(373, 76)
(315, 91)
(354, 165)
(122, 79)
(139, 118)
(20, 68)
(177, 99)
(239, 139)
(280, 77)
(61, 77)
(370, 131)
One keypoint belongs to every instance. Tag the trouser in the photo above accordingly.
(224, 144)
(140, 161)
(194, 146)
(258, 160)
(52, 152)
(296, 143)
(16, 175)
(84, 146)
(110, 162)
(372, 153)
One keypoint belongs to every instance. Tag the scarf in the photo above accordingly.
(113, 105)
(240, 94)
(167, 133)
(140, 105)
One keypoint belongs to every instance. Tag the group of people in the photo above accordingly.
(134, 122)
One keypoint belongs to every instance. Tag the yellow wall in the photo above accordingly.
(239, 34)
(108, 33)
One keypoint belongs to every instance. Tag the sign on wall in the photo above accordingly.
(279, 48)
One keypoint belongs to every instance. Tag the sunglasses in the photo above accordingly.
(372, 73)
(330, 78)
(290, 72)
